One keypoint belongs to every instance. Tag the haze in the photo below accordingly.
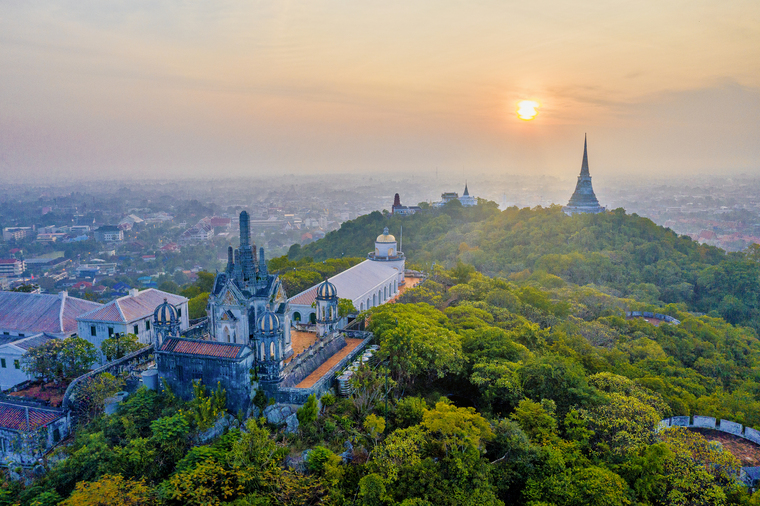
(139, 89)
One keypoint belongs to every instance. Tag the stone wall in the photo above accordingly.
(708, 422)
(649, 314)
(127, 364)
(310, 359)
(181, 370)
(292, 395)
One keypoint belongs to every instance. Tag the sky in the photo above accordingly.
(156, 89)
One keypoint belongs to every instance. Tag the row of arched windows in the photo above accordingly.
(381, 296)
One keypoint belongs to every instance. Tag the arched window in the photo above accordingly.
(261, 352)
(313, 318)
(297, 316)
(368, 306)
(395, 285)
(361, 306)
(374, 300)
(271, 351)
(385, 293)
(226, 334)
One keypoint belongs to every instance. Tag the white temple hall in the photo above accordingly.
(368, 284)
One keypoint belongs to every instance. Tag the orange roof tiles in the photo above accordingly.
(13, 416)
(203, 348)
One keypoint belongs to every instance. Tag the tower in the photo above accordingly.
(327, 309)
(241, 293)
(268, 347)
(165, 323)
(386, 250)
(583, 199)
(466, 199)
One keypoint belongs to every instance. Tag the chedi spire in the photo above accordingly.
(583, 199)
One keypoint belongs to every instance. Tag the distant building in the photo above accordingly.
(219, 221)
(400, 210)
(200, 232)
(96, 269)
(10, 267)
(131, 314)
(80, 229)
(50, 237)
(17, 233)
(583, 200)
(109, 233)
(172, 247)
(466, 199)
(447, 197)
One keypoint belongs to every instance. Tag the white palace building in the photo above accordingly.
(368, 284)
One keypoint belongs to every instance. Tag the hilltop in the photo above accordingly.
(627, 255)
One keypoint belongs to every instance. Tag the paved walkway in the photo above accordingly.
(312, 378)
(300, 341)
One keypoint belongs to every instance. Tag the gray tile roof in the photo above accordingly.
(33, 313)
(351, 283)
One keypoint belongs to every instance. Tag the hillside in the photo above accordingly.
(627, 254)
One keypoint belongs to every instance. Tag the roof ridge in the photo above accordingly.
(61, 311)
(118, 306)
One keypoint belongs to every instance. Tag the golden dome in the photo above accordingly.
(385, 236)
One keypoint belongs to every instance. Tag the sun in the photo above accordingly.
(526, 110)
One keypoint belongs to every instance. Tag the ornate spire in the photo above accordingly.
(245, 229)
(466, 192)
(584, 165)
(583, 199)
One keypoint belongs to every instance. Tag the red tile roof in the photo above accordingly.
(128, 309)
(13, 416)
(34, 313)
(203, 348)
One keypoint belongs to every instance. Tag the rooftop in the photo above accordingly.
(204, 348)
(13, 416)
(34, 313)
(351, 283)
(132, 307)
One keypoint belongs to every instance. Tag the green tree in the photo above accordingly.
(346, 307)
(307, 414)
(118, 345)
(196, 306)
(59, 359)
(416, 340)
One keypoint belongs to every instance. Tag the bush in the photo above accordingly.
(318, 458)
(409, 411)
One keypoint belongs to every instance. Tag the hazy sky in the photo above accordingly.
(165, 88)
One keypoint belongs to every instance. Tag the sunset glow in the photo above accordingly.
(526, 110)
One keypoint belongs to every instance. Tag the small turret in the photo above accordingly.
(245, 229)
(263, 272)
(230, 260)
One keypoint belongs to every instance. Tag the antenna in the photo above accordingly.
(401, 240)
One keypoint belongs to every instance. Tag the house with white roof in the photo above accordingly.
(368, 284)
(131, 314)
